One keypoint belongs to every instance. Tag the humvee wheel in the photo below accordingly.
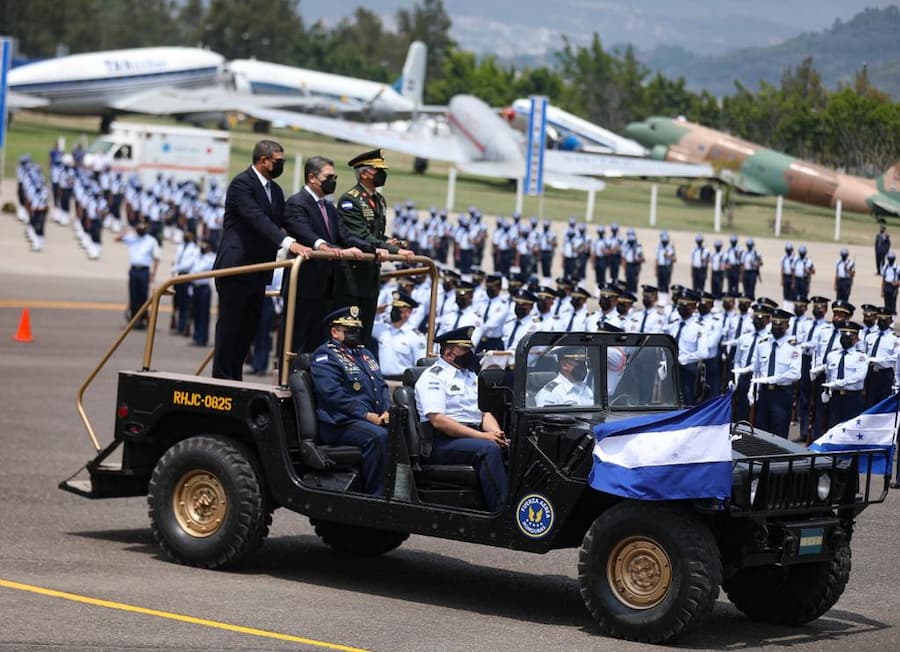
(357, 540)
(648, 571)
(790, 595)
(208, 507)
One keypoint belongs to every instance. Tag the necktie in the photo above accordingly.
(456, 323)
(268, 187)
(324, 212)
(558, 307)
(644, 321)
(877, 342)
(752, 349)
(840, 373)
(812, 330)
(444, 301)
(830, 342)
(794, 329)
(678, 333)
(740, 327)
(771, 370)
(512, 336)
(487, 311)
(571, 321)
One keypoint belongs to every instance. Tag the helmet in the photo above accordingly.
(698, 238)
(789, 247)
(891, 255)
(614, 227)
(845, 251)
(717, 244)
(802, 250)
(733, 238)
(749, 243)
(631, 233)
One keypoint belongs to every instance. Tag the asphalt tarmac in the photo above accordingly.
(86, 575)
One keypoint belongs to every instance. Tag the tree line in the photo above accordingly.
(855, 127)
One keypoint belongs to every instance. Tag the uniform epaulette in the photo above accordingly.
(435, 369)
(551, 385)
(792, 341)
(353, 192)
(765, 338)
(536, 320)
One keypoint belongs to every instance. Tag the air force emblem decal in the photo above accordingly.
(535, 516)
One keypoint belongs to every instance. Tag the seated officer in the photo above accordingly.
(447, 396)
(351, 395)
(569, 386)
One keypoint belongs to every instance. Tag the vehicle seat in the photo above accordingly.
(536, 380)
(320, 457)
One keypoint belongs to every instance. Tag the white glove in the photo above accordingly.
(828, 385)
(815, 371)
(740, 371)
(764, 380)
(808, 346)
(826, 396)
(662, 371)
(751, 396)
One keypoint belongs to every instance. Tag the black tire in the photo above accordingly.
(790, 595)
(208, 506)
(648, 571)
(357, 540)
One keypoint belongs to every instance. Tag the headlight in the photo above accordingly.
(823, 486)
(753, 486)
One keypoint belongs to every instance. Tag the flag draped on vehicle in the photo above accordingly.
(668, 456)
(874, 428)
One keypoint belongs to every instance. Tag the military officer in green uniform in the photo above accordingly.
(363, 210)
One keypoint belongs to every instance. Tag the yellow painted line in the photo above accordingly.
(179, 617)
(69, 305)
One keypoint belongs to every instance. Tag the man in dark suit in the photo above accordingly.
(251, 233)
(363, 210)
(315, 223)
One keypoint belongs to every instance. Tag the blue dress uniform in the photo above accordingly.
(348, 385)
(690, 339)
(445, 389)
(776, 367)
(845, 370)
(143, 252)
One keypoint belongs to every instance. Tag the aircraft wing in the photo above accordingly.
(508, 171)
(885, 204)
(602, 165)
(182, 101)
(416, 141)
(16, 101)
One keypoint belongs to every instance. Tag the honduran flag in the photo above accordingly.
(874, 428)
(668, 456)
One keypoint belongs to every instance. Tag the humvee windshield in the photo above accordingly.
(627, 372)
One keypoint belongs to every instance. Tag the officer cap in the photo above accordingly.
(819, 301)
(743, 299)
(762, 310)
(449, 272)
(465, 287)
(627, 297)
(459, 336)
(477, 271)
(545, 292)
(766, 301)
(868, 308)
(609, 328)
(781, 316)
(564, 281)
(515, 282)
(610, 290)
(373, 159)
(801, 298)
(570, 353)
(733, 294)
(403, 300)
(649, 289)
(707, 297)
(850, 327)
(580, 292)
(492, 279)
(884, 311)
(524, 296)
(675, 288)
(843, 305)
(687, 296)
(621, 286)
(346, 316)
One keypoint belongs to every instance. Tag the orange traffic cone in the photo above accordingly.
(24, 332)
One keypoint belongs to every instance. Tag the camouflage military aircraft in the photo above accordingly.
(760, 171)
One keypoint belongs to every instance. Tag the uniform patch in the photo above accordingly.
(357, 386)
(321, 358)
(435, 369)
(346, 205)
(535, 516)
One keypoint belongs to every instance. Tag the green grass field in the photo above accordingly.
(624, 201)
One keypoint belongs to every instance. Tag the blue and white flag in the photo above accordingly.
(668, 456)
(874, 428)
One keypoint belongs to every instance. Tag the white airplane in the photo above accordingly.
(336, 93)
(482, 143)
(195, 82)
(571, 133)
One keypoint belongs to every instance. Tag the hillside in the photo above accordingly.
(868, 38)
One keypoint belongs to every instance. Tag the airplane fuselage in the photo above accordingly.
(90, 84)
(751, 168)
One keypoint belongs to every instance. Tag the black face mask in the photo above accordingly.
(778, 332)
(141, 230)
(396, 314)
(846, 341)
(522, 310)
(467, 360)
(380, 178)
(277, 168)
(577, 303)
(462, 303)
(329, 186)
(579, 372)
(818, 313)
(352, 337)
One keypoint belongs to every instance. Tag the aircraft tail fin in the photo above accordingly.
(411, 84)
(889, 182)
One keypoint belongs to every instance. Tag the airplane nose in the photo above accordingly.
(637, 131)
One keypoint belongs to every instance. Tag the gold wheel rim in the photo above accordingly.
(639, 572)
(199, 503)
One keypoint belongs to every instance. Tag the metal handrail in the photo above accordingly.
(151, 307)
